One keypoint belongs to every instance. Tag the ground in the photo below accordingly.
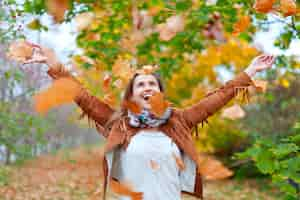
(76, 175)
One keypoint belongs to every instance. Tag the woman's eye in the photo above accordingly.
(140, 84)
(152, 83)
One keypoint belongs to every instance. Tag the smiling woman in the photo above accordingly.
(149, 151)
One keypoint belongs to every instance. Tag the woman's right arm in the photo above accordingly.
(91, 106)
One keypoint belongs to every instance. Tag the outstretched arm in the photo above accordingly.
(214, 101)
(91, 106)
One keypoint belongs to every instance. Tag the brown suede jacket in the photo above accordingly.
(178, 127)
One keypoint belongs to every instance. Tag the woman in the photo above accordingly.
(154, 156)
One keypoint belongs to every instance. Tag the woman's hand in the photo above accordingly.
(43, 55)
(260, 63)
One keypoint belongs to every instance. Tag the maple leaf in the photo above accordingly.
(158, 104)
(57, 8)
(263, 6)
(132, 106)
(233, 112)
(106, 82)
(20, 51)
(213, 169)
(288, 7)
(241, 25)
(62, 91)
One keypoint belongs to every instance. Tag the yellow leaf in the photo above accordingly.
(62, 91)
(285, 83)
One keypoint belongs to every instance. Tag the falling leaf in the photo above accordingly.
(147, 69)
(288, 7)
(158, 104)
(241, 25)
(123, 70)
(20, 51)
(213, 169)
(132, 106)
(263, 6)
(154, 165)
(57, 8)
(260, 85)
(83, 20)
(179, 162)
(141, 19)
(233, 112)
(62, 91)
(173, 25)
(106, 82)
(122, 188)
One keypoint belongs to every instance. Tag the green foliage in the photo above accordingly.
(4, 175)
(281, 161)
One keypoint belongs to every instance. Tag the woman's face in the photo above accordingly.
(144, 86)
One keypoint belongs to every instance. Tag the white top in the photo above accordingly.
(149, 166)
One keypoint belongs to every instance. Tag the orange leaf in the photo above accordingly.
(106, 82)
(288, 7)
(179, 162)
(263, 6)
(233, 112)
(62, 91)
(241, 25)
(57, 8)
(213, 169)
(158, 104)
(132, 106)
(125, 189)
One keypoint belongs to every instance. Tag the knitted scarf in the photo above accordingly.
(147, 119)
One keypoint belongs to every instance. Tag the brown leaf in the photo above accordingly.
(132, 106)
(158, 104)
(62, 91)
(263, 6)
(233, 112)
(213, 169)
(179, 162)
(57, 9)
(241, 25)
(288, 7)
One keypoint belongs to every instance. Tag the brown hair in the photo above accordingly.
(122, 112)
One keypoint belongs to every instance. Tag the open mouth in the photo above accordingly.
(146, 96)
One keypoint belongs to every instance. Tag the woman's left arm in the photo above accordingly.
(214, 101)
